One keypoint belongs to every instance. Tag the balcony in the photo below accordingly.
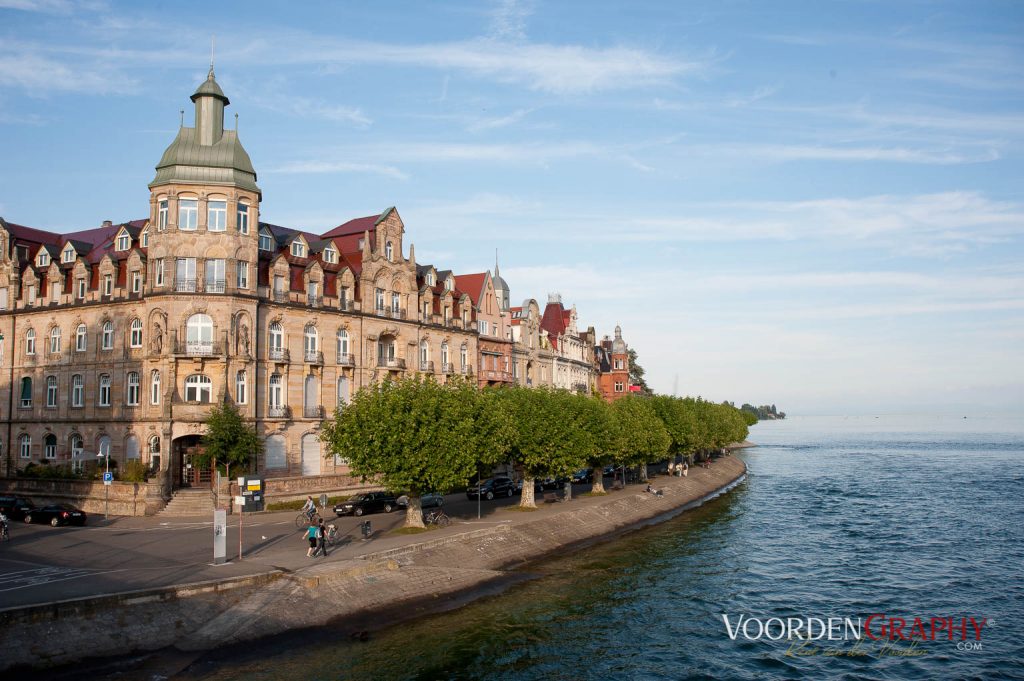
(346, 359)
(185, 285)
(314, 301)
(278, 411)
(396, 313)
(390, 363)
(198, 348)
(215, 286)
(277, 354)
(380, 312)
(313, 357)
(464, 370)
(495, 375)
(279, 296)
(316, 412)
(447, 368)
(427, 367)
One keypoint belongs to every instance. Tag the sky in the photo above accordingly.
(811, 204)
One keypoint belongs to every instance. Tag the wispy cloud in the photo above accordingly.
(328, 167)
(499, 122)
(785, 153)
(508, 20)
(39, 76)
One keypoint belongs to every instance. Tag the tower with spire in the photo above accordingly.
(501, 289)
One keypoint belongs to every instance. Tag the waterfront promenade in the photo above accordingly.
(192, 605)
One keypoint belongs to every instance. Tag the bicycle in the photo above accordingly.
(333, 536)
(437, 517)
(303, 519)
(5, 534)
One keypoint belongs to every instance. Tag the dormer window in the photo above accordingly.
(430, 278)
(266, 242)
(330, 255)
(68, 254)
(389, 251)
(449, 284)
(362, 242)
(124, 242)
(43, 259)
(298, 249)
(144, 239)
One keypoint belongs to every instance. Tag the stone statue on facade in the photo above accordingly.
(243, 340)
(158, 338)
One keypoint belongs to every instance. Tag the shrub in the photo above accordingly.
(133, 471)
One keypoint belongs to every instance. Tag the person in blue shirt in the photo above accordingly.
(311, 536)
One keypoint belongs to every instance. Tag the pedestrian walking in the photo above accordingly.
(686, 469)
(321, 540)
(311, 536)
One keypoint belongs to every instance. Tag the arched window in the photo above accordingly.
(135, 337)
(274, 449)
(424, 355)
(30, 342)
(198, 388)
(154, 387)
(154, 452)
(276, 337)
(55, 340)
(133, 389)
(81, 338)
(50, 446)
(26, 392)
(77, 391)
(276, 393)
(77, 452)
(104, 390)
(310, 339)
(241, 388)
(51, 392)
(199, 334)
(343, 348)
(385, 350)
(108, 336)
(26, 446)
(389, 251)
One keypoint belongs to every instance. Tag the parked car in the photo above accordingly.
(367, 502)
(15, 508)
(547, 484)
(582, 475)
(56, 514)
(499, 486)
(428, 500)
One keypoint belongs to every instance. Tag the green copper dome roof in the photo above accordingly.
(210, 87)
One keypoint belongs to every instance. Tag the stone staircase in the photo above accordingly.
(189, 502)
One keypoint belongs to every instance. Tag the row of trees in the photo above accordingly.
(415, 435)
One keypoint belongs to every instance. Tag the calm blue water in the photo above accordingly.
(908, 516)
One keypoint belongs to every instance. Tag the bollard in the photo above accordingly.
(364, 527)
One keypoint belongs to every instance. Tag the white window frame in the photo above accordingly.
(108, 284)
(158, 272)
(136, 281)
(242, 274)
(188, 215)
(196, 387)
(68, 254)
(215, 275)
(30, 342)
(135, 333)
(241, 387)
(310, 338)
(104, 391)
(43, 259)
(389, 251)
(26, 402)
(330, 255)
(25, 446)
(77, 390)
(81, 289)
(107, 335)
(298, 249)
(81, 338)
(343, 345)
(55, 340)
(275, 392)
(266, 241)
(162, 211)
(51, 392)
(242, 217)
(217, 215)
(134, 388)
(154, 387)
(378, 299)
(124, 242)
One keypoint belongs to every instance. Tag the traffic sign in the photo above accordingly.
(108, 478)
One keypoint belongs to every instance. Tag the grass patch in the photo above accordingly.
(592, 494)
(410, 530)
(519, 509)
(297, 504)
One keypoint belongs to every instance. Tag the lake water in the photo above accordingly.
(840, 517)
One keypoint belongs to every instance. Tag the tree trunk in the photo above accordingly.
(643, 472)
(414, 513)
(597, 487)
(527, 500)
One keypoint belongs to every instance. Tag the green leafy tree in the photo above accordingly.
(636, 373)
(413, 435)
(229, 441)
(639, 436)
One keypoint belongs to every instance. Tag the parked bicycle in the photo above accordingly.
(333, 536)
(437, 517)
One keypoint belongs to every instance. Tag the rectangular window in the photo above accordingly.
(55, 291)
(80, 338)
(154, 387)
(81, 289)
(483, 327)
(161, 215)
(241, 388)
(31, 295)
(378, 299)
(51, 392)
(396, 302)
(104, 391)
(136, 282)
(44, 259)
(188, 214)
(266, 243)
(313, 293)
(68, 254)
(243, 218)
(26, 392)
(217, 216)
(185, 275)
(343, 298)
(144, 239)
(3, 298)
(124, 242)
(215, 277)
(108, 284)
(243, 274)
(158, 272)
(278, 285)
(298, 249)
(133, 389)
(618, 364)
(619, 387)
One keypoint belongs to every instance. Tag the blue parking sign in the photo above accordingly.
(108, 477)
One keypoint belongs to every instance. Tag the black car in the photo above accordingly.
(367, 502)
(492, 487)
(428, 500)
(15, 508)
(56, 514)
(547, 484)
(582, 475)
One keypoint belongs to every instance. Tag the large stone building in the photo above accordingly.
(116, 341)
(611, 363)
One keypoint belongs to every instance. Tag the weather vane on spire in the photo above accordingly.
(212, 42)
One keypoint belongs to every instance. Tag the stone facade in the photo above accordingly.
(115, 342)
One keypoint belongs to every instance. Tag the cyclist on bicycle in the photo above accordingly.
(3, 524)
(309, 508)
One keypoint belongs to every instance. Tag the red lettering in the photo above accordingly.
(867, 626)
(962, 627)
(895, 630)
(943, 625)
(918, 629)
(977, 627)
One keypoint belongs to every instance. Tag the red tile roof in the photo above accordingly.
(472, 284)
(353, 227)
(553, 320)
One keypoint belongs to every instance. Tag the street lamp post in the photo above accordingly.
(106, 484)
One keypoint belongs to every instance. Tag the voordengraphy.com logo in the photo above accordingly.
(875, 627)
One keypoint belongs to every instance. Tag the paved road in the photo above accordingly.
(43, 564)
